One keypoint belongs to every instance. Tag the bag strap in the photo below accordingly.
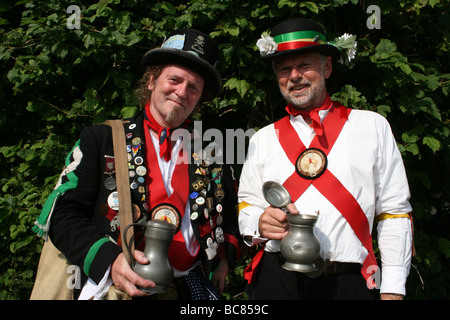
(122, 178)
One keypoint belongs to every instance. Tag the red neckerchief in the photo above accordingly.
(313, 114)
(165, 144)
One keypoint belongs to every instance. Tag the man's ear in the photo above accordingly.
(151, 83)
(328, 68)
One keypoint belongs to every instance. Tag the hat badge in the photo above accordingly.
(198, 45)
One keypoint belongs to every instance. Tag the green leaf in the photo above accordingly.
(386, 46)
(168, 8)
(383, 110)
(413, 148)
(289, 3)
(241, 86)
(128, 112)
(409, 137)
(433, 143)
(311, 6)
(234, 31)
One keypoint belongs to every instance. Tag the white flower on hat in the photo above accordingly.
(266, 45)
(347, 46)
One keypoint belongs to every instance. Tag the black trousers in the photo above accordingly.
(275, 283)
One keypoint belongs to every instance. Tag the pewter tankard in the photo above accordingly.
(158, 237)
(300, 247)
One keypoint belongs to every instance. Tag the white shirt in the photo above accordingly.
(366, 160)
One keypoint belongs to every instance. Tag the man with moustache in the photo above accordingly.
(198, 197)
(339, 164)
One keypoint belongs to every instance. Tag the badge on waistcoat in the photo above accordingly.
(166, 212)
(311, 163)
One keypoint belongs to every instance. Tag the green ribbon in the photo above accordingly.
(300, 35)
(41, 223)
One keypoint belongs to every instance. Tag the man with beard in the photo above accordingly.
(338, 164)
(165, 183)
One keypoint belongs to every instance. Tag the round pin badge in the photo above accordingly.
(141, 171)
(311, 163)
(168, 213)
(138, 160)
(200, 200)
(194, 215)
(113, 200)
(136, 141)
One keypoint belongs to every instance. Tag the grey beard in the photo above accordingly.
(306, 102)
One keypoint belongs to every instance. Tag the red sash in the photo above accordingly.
(327, 184)
(179, 256)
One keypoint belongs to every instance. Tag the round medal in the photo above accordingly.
(311, 163)
(104, 209)
(136, 212)
(110, 183)
(219, 194)
(219, 235)
(168, 213)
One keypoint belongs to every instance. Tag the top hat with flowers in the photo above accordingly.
(302, 36)
(192, 49)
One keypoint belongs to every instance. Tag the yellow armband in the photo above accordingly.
(384, 216)
(243, 205)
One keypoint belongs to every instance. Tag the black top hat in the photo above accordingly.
(299, 36)
(192, 49)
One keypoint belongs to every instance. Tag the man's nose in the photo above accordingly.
(182, 90)
(295, 75)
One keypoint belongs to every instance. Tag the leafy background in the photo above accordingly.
(55, 80)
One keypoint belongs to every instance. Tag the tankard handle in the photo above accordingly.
(127, 245)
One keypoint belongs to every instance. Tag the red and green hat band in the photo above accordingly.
(299, 39)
